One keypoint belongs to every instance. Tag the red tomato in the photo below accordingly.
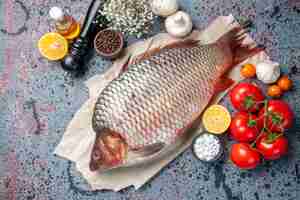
(244, 156)
(245, 97)
(272, 146)
(280, 116)
(244, 127)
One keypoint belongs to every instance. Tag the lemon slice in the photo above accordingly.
(53, 46)
(216, 119)
(74, 34)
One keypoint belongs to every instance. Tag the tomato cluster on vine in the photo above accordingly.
(258, 126)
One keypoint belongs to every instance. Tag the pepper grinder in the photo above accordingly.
(75, 60)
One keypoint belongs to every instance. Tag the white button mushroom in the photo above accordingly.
(268, 71)
(179, 25)
(164, 8)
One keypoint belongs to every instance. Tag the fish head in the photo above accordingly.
(109, 151)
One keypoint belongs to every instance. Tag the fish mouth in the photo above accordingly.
(110, 150)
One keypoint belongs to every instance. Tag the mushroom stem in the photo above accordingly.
(179, 19)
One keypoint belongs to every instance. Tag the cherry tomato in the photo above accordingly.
(248, 71)
(272, 146)
(279, 116)
(274, 91)
(244, 127)
(244, 156)
(246, 97)
(285, 83)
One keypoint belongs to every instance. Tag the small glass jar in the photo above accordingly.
(208, 147)
(109, 43)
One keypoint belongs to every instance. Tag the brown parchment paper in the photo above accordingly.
(78, 139)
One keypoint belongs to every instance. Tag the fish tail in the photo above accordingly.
(109, 150)
(235, 40)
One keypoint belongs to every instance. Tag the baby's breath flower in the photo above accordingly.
(132, 17)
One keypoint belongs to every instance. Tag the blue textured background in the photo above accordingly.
(38, 99)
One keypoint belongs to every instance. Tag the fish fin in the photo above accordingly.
(150, 52)
(223, 84)
(245, 52)
(189, 43)
(146, 55)
(149, 149)
(126, 64)
(234, 39)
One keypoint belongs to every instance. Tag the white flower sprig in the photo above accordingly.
(133, 17)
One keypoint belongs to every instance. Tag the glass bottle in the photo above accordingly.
(65, 25)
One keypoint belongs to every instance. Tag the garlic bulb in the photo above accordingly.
(164, 8)
(179, 25)
(268, 71)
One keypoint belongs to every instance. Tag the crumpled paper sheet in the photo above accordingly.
(78, 139)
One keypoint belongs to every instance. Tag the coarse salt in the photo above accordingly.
(207, 147)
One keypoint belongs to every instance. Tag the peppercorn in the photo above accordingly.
(109, 43)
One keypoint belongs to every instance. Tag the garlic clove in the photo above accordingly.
(268, 72)
(179, 24)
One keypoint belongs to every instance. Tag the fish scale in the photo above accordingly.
(151, 104)
(155, 99)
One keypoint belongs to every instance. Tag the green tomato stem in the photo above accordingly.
(265, 128)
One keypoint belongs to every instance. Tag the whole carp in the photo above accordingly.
(151, 104)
